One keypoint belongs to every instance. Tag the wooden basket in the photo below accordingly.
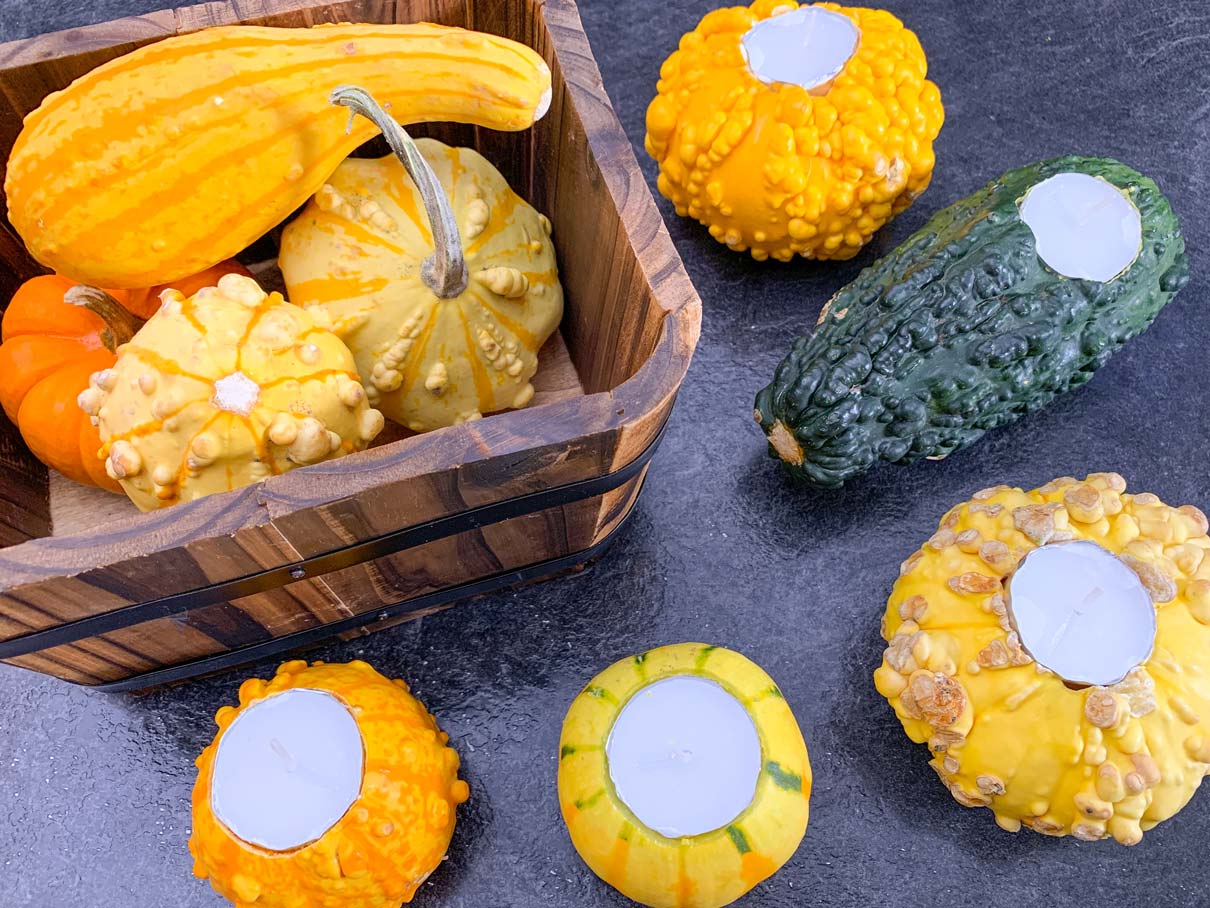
(93, 592)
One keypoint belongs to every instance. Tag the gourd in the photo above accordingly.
(223, 389)
(50, 348)
(438, 340)
(1001, 302)
(207, 140)
(1107, 750)
(791, 130)
(328, 785)
(683, 777)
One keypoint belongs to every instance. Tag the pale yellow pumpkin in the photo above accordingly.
(442, 342)
(223, 389)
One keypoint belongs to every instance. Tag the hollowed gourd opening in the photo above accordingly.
(684, 756)
(1082, 613)
(287, 769)
(1084, 227)
(808, 47)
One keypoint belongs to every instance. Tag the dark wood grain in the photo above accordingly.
(631, 323)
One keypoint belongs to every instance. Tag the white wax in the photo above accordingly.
(1081, 612)
(287, 769)
(1084, 227)
(684, 756)
(807, 46)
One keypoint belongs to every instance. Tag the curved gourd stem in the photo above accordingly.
(120, 325)
(444, 272)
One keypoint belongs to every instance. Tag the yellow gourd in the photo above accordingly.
(1006, 733)
(684, 868)
(180, 154)
(393, 835)
(223, 389)
(441, 340)
(781, 169)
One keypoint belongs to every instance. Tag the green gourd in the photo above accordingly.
(967, 326)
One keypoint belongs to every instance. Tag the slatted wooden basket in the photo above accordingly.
(93, 592)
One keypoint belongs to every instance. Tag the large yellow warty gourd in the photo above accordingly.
(1089, 760)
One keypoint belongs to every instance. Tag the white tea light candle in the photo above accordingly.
(684, 756)
(287, 769)
(1084, 227)
(1081, 612)
(808, 46)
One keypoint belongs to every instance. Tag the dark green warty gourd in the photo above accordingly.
(962, 329)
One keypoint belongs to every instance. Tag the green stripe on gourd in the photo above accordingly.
(710, 868)
(962, 329)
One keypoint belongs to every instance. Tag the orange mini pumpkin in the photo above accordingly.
(50, 348)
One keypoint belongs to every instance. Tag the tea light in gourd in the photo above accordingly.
(1051, 647)
(683, 776)
(794, 130)
(329, 785)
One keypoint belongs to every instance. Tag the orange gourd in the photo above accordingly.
(50, 348)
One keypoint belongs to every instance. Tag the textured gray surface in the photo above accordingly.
(94, 789)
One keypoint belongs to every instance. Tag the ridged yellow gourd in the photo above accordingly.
(169, 159)
(780, 169)
(1008, 734)
(428, 361)
(389, 840)
(223, 389)
(710, 869)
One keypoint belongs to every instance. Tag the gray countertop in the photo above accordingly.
(94, 788)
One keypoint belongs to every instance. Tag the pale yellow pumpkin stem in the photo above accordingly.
(444, 272)
(120, 325)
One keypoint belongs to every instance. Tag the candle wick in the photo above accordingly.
(280, 749)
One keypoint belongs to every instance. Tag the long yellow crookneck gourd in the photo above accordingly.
(1091, 760)
(167, 160)
(598, 757)
(438, 276)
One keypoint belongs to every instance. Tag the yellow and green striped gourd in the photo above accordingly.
(698, 871)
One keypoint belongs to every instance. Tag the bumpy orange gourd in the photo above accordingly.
(207, 140)
(781, 170)
(223, 389)
(51, 347)
(429, 358)
(385, 846)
